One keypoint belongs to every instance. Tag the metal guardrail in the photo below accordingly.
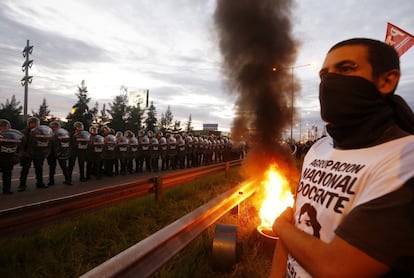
(34, 215)
(148, 255)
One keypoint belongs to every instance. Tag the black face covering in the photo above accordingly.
(355, 111)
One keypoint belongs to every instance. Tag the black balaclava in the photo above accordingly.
(355, 111)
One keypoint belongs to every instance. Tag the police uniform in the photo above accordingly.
(10, 140)
(96, 149)
(36, 147)
(60, 152)
(79, 150)
(109, 154)
(122, 153)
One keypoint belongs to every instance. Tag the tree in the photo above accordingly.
(80, 111)
(166, 120)
(151, 120)
(94, 112)
(119, 113)
(43, 112)
(188, 127)
(134, 121)
(177, 126)
(104, 119)
(11, 111)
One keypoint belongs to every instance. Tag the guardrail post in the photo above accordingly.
(227, 169)
(158, 188)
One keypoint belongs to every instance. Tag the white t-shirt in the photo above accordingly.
(337, 186)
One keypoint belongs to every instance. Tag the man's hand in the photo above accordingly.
(284, 218)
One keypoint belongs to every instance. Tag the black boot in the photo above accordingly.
(51, 181)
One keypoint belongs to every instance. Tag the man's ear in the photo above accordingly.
(387, 82)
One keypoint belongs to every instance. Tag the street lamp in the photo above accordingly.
(292, 100)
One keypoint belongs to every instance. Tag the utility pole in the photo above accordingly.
(27, 79)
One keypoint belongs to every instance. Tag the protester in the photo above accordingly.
(359, 179)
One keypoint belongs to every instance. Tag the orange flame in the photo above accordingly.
(277, 196)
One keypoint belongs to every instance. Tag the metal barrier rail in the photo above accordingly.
(34, 215)
(148, 255)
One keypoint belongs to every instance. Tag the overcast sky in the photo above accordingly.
(170, 48)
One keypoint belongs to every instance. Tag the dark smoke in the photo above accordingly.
(255, 37)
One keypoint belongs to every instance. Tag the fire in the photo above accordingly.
(277, 196)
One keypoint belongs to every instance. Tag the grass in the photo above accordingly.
(253, 257)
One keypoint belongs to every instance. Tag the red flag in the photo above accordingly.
(398, 38)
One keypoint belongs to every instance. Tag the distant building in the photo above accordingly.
(210, 127)
(139, 96)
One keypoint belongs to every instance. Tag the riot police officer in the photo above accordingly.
(162, 142)
(122, 146)
(143, 154)
(189, 151)
(10, 140)
(171, 152)
(90, 161)
(79, 150)
(181, 152)
(133, 148)
(154, 154)
(35, 147)
(95, 150)
(60, 152)
(109, 154)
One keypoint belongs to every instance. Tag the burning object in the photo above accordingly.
(276, 197)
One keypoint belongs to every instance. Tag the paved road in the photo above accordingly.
(33, 194)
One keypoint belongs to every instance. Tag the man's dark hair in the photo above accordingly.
(381, 56)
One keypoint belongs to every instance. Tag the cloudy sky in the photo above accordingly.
(170, 48)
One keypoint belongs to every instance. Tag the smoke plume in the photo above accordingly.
(258, 53)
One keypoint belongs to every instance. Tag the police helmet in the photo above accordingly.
(33, 120)
(93, 129)
(129, 134)
(141, 133)
(4, 124)
(78, 125)
(105, 130)
(54, 124)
